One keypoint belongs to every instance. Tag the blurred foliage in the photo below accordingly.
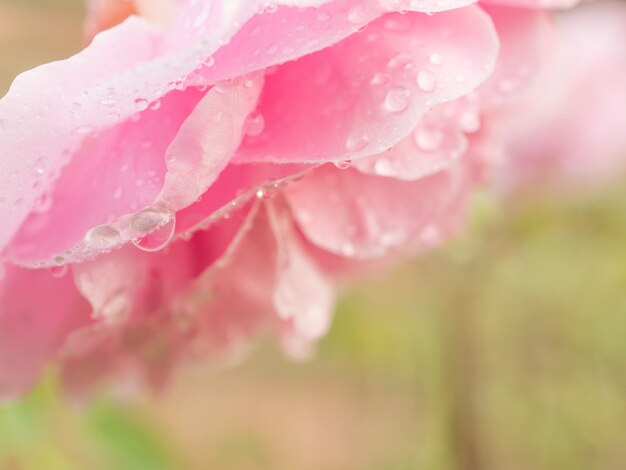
(506, 350)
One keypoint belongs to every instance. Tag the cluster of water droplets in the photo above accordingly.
(398, 93)
(151, 229)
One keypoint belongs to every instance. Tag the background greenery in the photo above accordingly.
(506, 351)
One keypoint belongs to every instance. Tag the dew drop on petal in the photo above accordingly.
(141, 104)
(255, 124)
(469, 122)
(357, 15)
(428, 140)
(357, 142)
(59, 271)
(379, 78)
(43, 204)
(159, 238)
(103, 237)
(397, 99)
(426, 81)
(343, 165)
(383, 167)
(435, 58)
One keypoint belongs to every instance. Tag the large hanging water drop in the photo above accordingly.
(158, 239)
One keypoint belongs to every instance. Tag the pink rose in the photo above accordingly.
(570, 131)
(209, 171)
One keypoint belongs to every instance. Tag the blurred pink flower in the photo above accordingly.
(208, 171)
(570, 130)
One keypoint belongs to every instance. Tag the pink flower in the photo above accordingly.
(570, 130)
(209, 171)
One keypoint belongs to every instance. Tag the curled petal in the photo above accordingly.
(137, 178)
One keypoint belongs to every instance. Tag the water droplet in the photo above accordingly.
(148, 220)
(469, 121)
(343, 165)
(141, 104)
(379, 78)
(103, 237)
(383, 167)
(59, 271)
(426, 81)
(427, 139)
(268, 191)
(357, 15)
(255, 124)
(435, 58)
(397, 99)
(159, 238)
(399, 60)
(43, 204)
(357, 142)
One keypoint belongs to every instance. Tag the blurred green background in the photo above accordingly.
(506, 350)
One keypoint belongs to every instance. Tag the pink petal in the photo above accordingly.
(287, 31)
(437, 142)
(367, 93)
(146, 304)
(234, 186)
(189, 301)
(38, 309)
(138, 175)
(527, 43)
(303, 296)
(361, 216)
(533, 4)
(42, 103)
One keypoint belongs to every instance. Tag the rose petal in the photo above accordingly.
(303, 295)
(367, 93)
(527, 41)
(436, 143)
(37, 310)
(159, 164)
(361, 216)
(41, 103)
(534, 4)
